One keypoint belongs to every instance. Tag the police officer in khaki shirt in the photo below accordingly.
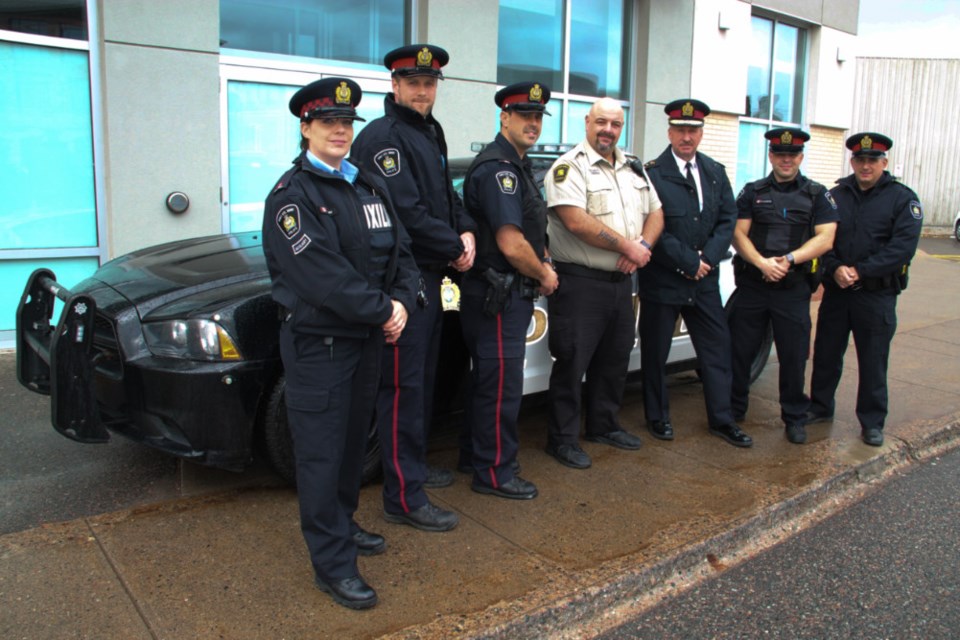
(604, 218)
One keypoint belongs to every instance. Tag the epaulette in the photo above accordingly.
(651, 164)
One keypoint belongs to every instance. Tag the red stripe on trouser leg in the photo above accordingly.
(496, 462)
(395, 427)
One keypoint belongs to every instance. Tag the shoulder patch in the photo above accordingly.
(560, 172)
(388, 161)
(288, 219)
(916, 210)
(507, 181)
(300, 244)
(829, 197)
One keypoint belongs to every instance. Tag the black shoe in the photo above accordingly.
(369, 544)
(660, 429)
(619, 439)
(739, 418)
(429, 517)
(570, 455)
(812, 417)
(437, 478)
(873, 437)
(351, 592)
(516, 489)
(732, 434)
(796, 433)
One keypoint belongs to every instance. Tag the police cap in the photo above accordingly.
(686, 112)
(524, 96)
(416, 60)
(786, 139)
(327, 98)
(871, 144)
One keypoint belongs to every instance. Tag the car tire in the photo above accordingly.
(956, 230)
(278, 444)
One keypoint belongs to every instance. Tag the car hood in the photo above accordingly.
(156, 275)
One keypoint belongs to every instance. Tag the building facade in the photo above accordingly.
(119, 112)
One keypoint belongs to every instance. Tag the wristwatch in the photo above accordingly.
(789, 258)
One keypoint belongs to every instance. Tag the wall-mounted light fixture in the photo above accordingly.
(723, 21)
(178, 202)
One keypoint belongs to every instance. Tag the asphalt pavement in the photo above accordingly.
(211, 556)
(887, 567)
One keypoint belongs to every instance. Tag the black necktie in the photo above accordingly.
(690, 180)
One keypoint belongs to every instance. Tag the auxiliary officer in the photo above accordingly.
(785, 222)
(406, 146)
(604, 217)
(511, 268)
(342, 272)
(683, 277)
(880, 220)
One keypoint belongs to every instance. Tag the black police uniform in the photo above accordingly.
(410, 152)
(878, 234)
(337, 256)
(783, 217)
(499, 190)
(667, 290)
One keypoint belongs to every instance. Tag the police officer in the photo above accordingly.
(511, 268)
(785, 222)
(604, 217)
(407, 147)
(699, 214)
(342, 272)
(880, 220)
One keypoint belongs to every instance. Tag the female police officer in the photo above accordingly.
(342, 273)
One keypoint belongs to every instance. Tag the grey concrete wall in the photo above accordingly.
(842, 15)
(160, 120)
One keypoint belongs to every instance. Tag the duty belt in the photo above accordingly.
(570, 269)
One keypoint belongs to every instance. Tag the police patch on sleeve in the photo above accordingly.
(507, 180)
(829, 197)
(388, 161)
(288, 219)
(560, 173)
(916, 210)
(300, 244)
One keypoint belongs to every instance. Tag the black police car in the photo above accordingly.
(175, 346)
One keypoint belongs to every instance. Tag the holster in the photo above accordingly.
(498, 293)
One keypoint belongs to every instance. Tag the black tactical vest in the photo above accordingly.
(378, 223)
(533, 205)
(782, 220)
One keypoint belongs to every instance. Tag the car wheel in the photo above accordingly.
(956, 230)
(278, 444)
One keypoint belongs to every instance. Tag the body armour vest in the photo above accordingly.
(381, 230)
(534, 213)
(782, 220)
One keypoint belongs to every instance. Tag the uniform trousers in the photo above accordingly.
(872, 318)
(497, 346)
(754, 307)
(331, 386)
(405, 402)
(592, 330)
(707, 324)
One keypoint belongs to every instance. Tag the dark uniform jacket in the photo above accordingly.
(878, 231)
(688, 231)
(499, 189)
(410, 152)
(318, 248)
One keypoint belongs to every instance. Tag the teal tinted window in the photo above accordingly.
(599, 36)
(751, 154)
(777, 73)
(533, 43)
(530, 42)
(264, 138)
(576, 114)
(46, 149)
(357, 31)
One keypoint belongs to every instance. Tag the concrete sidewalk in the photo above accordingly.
(594, 544)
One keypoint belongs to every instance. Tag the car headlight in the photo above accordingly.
(190, 339)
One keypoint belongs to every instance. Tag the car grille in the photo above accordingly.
(106, 348)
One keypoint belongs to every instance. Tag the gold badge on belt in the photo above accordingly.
(449, 294)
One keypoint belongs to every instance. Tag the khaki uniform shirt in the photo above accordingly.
(616, 195)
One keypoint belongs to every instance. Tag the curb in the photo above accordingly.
(592, 610)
